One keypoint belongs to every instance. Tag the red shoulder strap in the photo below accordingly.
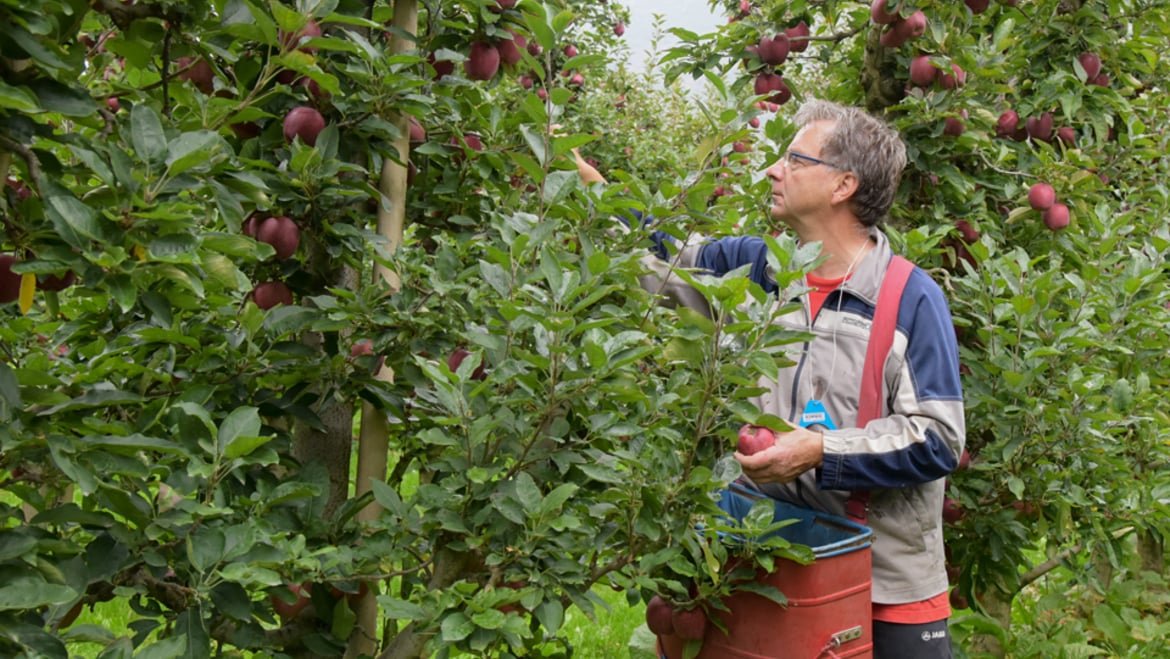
(881, 339)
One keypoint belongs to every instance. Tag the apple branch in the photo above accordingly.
(123, 14)
(26, 154)
(1047, 566)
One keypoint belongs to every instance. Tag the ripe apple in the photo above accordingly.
(659, 616)
(527, 82)
(967, 232)
(9, 280)
(312, 87)
(443, 68)
(505, 4)
(483, 62)
(1041, 196)
(1007, 123)
(113, 104)
(903, 30)
(282, 233)
(1040, 128)
(304, 122)
(1056, 217)
(1066, 135)
(689, 624)
(753, 439)
(879, 15)
(922, 72)
(619, 29)
(457, 358)
(953, 127)
(509, 49)
(311, 29)
(289, 610)
(773, 50)
(952, 512)
(958, 601)
(1100, 80)
(570, 51)
(1091, 63)
(977, 6)
(363, 348)
(57, 282)
(198, 72)
(964, 460)
(418, 134)
(798, 37)
(956, 77)
(271, 293)
(250, 225)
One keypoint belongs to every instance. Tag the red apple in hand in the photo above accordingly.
(753, 439)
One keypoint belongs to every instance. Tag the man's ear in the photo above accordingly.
(846, 188)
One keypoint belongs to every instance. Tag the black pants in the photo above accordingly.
(925, 641)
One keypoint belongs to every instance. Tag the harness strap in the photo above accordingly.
(881, 339)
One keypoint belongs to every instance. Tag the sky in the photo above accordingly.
(694, 15)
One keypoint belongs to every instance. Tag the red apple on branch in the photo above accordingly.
(689, 624)
(483, 62)
(9, 280)
(660, 616)
(271, 293)
(303, 122)
(1041, 196)
(282, 233)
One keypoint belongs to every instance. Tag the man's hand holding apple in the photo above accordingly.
(783, 460)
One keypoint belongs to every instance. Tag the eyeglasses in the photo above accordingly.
(791, 158)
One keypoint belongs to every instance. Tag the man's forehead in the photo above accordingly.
(812, 133)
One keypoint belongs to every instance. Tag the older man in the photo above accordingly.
(834, 185)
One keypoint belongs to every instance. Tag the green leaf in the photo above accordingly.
(94, 398)
(205, 548)
(558, 185)
(1115, 629)
(23, 593)
(9, 392)
(17, 98)
(191, 149)
(56, 97)
(146, 134)
(75, 222)
(528, 493)
(557, 498)
(535, 140)
(168, 648)
(239, 434)
(456, 627)
(398, 609)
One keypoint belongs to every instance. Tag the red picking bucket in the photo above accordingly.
(829, 608)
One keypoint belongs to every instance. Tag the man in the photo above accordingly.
(833, 185)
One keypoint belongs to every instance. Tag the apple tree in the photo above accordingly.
(1036, 195)
(313, 343)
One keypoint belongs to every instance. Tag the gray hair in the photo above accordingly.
(865, 145)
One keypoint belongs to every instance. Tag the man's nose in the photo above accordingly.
(776, 171)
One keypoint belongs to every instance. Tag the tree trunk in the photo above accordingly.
(1151, 550)
(879, 75)
(998, 605)
(374, 441)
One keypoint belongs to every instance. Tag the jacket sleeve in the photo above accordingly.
(923, 435)
(713, 257)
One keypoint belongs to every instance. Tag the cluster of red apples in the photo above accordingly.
(285, 237)
(772, 52)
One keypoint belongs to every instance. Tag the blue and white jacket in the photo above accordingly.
(902, 458)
